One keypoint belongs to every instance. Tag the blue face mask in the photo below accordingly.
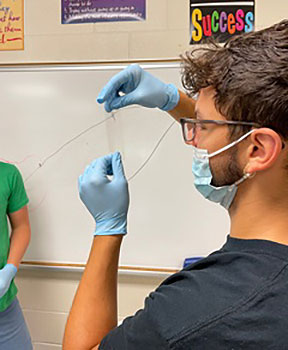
(203, 176)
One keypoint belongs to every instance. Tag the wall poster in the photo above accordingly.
(11, 25)
(220, 19)
(87, 11)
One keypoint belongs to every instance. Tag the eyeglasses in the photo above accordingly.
(190, 126)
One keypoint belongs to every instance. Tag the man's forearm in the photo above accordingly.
(184, 109)
(94, 310)
(20, 238)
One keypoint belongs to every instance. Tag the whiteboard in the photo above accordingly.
(52, 128)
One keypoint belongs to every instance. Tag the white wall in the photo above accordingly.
(46, 296)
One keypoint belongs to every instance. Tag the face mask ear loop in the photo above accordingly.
(231, 144)
(245, 177)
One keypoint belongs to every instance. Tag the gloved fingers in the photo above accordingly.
(108, 168)
(11, 270)
(96, 171)
(113, 86)
(93, 163)
(134, 78)
(108, 103)
(7, 273)
(102, 168)
(107, 107)
(117, 166)
(122, 101)
(80, 180)
(86, 171)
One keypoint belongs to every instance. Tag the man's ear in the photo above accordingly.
(264, 150)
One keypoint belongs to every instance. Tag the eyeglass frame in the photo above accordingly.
(195, 121)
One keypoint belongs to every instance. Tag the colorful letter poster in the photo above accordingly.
(220, 19)
(11, 25)
(87, 11)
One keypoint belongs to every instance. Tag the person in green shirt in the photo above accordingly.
(13, 205)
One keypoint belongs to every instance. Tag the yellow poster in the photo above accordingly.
(11, 24)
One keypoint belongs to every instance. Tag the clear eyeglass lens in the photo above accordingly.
(189, 131)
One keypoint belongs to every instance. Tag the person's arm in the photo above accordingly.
(185, 107)
(20, 235)
(134, 85)
(94, 310)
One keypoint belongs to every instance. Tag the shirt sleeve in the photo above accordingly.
(18, 197)
(140, 332)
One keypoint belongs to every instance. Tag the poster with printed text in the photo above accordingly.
(11, 25)
(91, 11)
(220, 19)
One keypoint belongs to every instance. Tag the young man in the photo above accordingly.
(236, 298)
(13, 203)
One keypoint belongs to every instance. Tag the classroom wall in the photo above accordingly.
(44, 295)
(46, 299)
(165, 33)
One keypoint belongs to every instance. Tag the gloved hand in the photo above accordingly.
(107, 200)
(6, 275)
(139, 87)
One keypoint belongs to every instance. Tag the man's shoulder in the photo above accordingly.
(200, 301)
(201, 293)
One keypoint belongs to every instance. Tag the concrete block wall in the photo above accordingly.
(46, 298)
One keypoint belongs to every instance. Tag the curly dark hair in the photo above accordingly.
(249, 74)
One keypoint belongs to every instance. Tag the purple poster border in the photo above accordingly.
(91, 11)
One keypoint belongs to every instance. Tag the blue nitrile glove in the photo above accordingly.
(107, 200)
(6, 276)
(139, 87)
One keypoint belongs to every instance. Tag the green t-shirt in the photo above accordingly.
(12, 198)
